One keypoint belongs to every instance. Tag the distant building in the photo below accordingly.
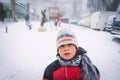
(53, 13)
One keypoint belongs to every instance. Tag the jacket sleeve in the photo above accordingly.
(48, 73)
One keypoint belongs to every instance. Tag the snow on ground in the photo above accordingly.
(25, 53)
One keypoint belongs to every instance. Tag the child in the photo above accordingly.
(72, 62)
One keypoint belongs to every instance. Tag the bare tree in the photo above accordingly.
(102, 5)
(113, 6)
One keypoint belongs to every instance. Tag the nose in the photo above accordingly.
(66, 47)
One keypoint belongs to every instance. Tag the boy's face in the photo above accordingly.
(67, 51)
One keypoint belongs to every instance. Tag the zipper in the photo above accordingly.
(66, 74)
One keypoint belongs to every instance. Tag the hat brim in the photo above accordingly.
(67, 42)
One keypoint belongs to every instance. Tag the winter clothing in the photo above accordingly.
(66, 37)
(78, 68)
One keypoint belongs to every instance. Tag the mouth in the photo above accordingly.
(66, 54)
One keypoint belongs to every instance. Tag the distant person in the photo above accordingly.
(44, 19)
(72, 61)
(2, 13)
(27, 19)
(114, 22)
(59, 20)
(55, 22)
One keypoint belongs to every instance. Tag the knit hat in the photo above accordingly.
(66, 36)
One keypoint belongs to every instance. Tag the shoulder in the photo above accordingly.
(50, 69)
(52, 66)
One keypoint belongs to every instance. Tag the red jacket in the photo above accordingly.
(68, 73)
(56, 72)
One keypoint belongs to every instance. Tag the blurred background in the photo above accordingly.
(95, 14)
(71, 9)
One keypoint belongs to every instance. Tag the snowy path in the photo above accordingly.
(25, 53)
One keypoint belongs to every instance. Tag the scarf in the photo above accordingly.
(72, 62)
(88, 69)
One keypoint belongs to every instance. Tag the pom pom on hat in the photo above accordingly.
(66, 36)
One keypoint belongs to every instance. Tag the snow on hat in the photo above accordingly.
(66, 37)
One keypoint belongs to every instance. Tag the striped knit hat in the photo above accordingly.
(65, 36)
